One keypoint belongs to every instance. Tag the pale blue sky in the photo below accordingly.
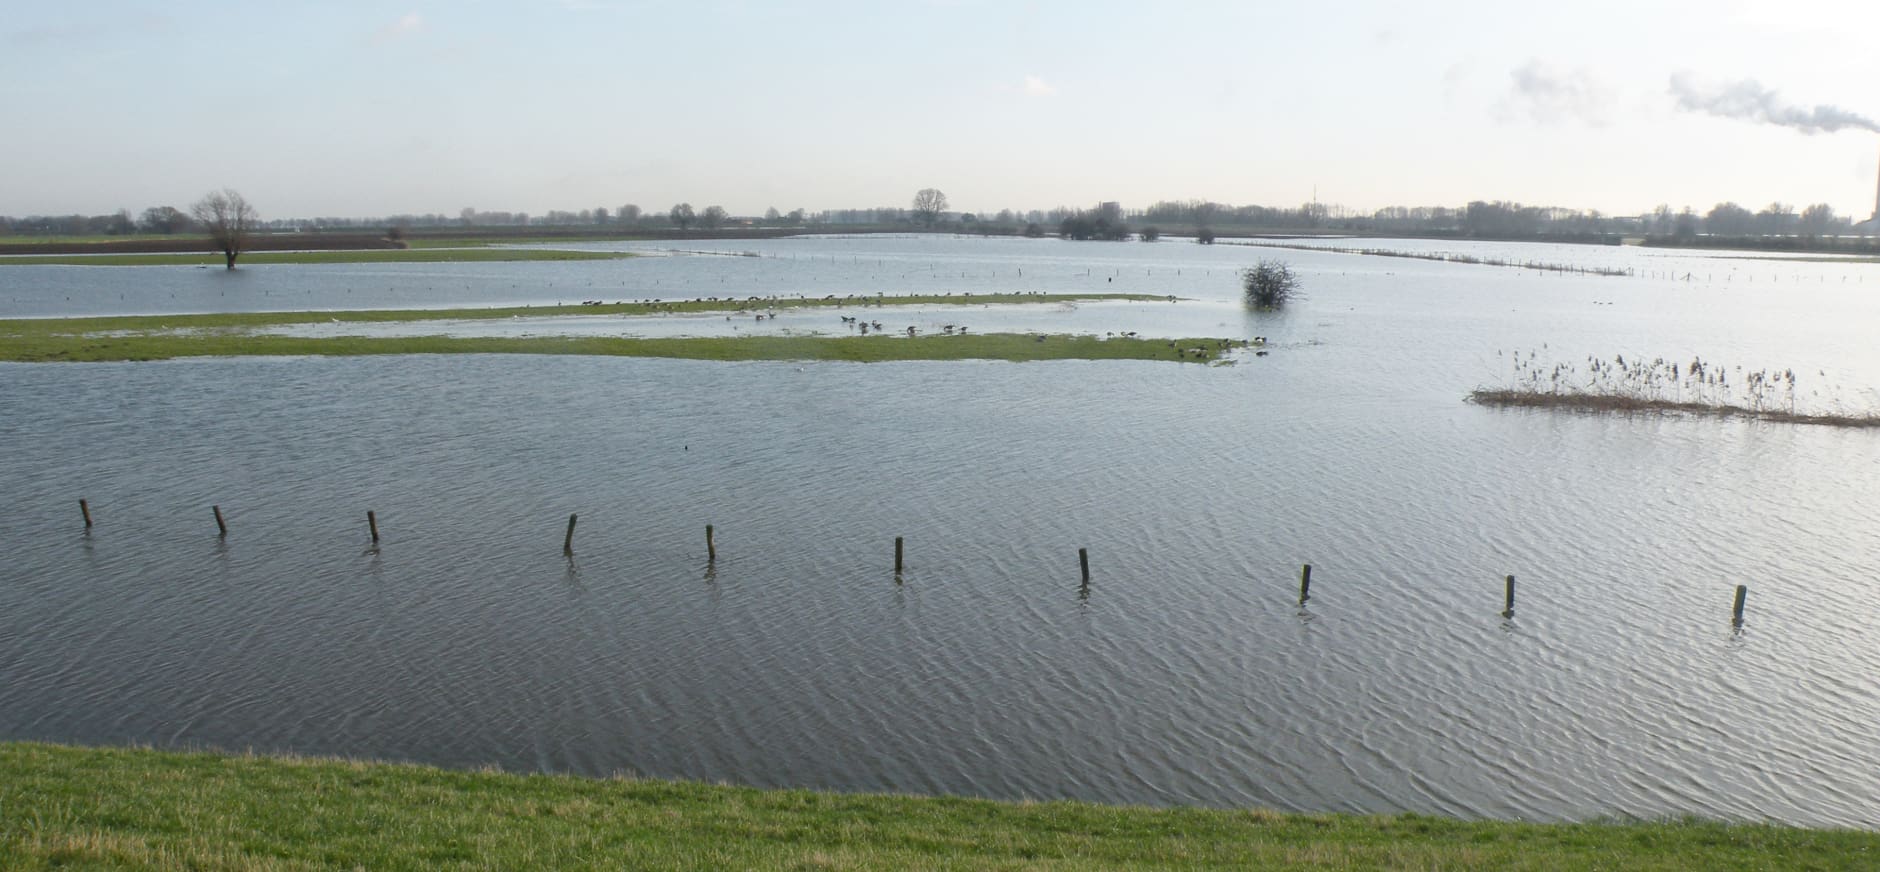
(358, 108)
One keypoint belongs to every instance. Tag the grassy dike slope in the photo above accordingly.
(63, 807)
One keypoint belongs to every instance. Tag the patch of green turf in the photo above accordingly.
(160, 337)
(138, 809)
(366, 255)
(862, 349)
(218, 320)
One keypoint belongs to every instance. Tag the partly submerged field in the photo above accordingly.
(159, 337)
(115, 808)
(381, 255)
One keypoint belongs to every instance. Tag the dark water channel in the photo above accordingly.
(1185, 673)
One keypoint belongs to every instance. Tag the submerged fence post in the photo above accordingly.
(1083, 561)
(711, 550)
(897, 554)
(1508, 611)
(219, 523)
(567, 542)
(372, 523)
(1305, 583)
(1736, 611)
(84, 508)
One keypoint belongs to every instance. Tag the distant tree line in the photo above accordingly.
(1200, 218)
(156, 219)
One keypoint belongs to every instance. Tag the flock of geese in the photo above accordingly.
(864, 326)
(856, 323)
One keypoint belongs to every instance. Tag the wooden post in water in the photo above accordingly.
(1508, 611)
(219, 523)
(897, 554)
(85, 509)
(1083, 561)
(711, 550)
(567, 543)
(1305, 583)
(1736, 611)
(372, 523)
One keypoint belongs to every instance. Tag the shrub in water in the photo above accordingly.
(1270, 284)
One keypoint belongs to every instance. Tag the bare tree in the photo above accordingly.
(629, 214)
(712, 218)
(228, 219)
(928, 204)
(682, 215)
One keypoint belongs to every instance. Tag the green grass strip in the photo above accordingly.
(368, 255)
(28, 326)
(63, 807)
(162, 337)
(860, 349)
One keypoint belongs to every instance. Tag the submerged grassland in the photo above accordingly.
(161, 337)
(103, 808)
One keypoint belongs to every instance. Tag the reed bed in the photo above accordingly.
(1660, 385)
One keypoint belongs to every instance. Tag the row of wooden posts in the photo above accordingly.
(1083, 559)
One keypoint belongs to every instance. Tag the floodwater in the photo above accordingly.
(1185, 672)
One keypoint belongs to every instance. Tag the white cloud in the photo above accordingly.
(406, 25)
(1036, 87)
(1548, 95)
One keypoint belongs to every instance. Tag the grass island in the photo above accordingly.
(162, 337)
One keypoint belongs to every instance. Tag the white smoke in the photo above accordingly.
(1748, 100)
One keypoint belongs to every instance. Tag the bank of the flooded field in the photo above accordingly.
(1015, 347)
(162, 337)
(118, 808)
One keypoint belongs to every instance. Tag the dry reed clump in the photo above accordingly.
(1703, 387)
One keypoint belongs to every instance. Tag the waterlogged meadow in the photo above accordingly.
(1186, 672)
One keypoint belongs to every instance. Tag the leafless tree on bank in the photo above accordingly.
(228, 219)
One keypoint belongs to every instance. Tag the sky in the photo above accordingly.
(374, 109)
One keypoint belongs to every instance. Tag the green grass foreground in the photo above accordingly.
(370, 255)
(64, 807)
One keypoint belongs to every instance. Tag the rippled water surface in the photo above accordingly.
(1186, 672)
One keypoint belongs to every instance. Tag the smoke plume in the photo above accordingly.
(1748, 100)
